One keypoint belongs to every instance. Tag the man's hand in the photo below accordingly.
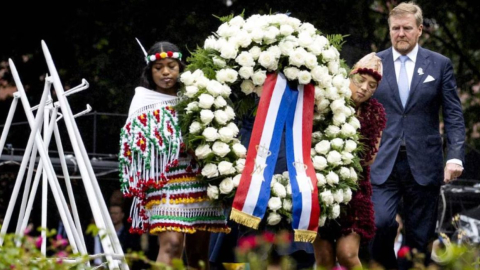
(452, 172)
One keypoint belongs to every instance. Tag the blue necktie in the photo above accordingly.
(403, 85)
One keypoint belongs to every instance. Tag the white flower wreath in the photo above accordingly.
(233, 65)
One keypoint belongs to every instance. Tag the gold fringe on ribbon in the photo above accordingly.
(245, 219)
(305, 236)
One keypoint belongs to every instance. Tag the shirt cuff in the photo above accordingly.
(455, 161)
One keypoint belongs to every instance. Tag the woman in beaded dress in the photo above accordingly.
(157, 172)
(340, 239)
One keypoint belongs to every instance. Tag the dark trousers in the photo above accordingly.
(419, 208)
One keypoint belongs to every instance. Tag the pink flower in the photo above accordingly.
(38, 242)
(403, 252)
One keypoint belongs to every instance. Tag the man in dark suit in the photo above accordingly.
(409, 166)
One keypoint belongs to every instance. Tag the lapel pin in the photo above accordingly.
(420, 71)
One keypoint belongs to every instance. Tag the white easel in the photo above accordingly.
(47, 112)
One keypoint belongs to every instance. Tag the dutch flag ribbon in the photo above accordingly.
(280, 107)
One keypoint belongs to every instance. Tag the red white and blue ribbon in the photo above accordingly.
(280, 107)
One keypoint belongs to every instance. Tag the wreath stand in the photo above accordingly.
(47, 111)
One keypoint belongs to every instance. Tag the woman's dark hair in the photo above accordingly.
(146, 79)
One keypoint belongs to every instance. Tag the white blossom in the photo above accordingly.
(226, 168)
(210, 134)
(195, 127)
(220, 149)
(205, 101)
(203, 151)
(226, 186)
(332, 178)
(273, 218)
(274, 203)
(240, 165)
(239, 150)
(212, 192)
(279, 190)
(210, 170)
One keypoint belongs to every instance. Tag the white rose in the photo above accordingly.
(313, 152)
(332, 131)
(237, 21)
(214, 88)
(255, 52)
(348, 130)
(332, 178)
(347, 195)
(275, 50)
(334, 158)
(332, 93)
(311, 61)
(335, 211)
(339, 81)
(279, 190)
(259, 77)
(210, 43)
(245, 59)
(274, 203)
(234, 128)
(330, 54)
(344, 173)
(247, 87)
(210, 170)
(322, 147)
(321, 181)
(319, 163)
(220, 117)
(353, 174)
(339, 118)
(257, 35)
(321, 221)
(308, 28)
(350, 146)
(267, 60)
(210, 134)
(220, 102)
(337, 144)
(327, 197)
(212, 192)
(202, 82)
(187, 78)
(220, 149)
(205, 101)
(323, 104)
(338, 105)
(333, 66)
(317, 136)
(291, 73)
(348, 111)
(236, 180)
(297, 57)
(226, 91)
(229, 112)
(192, 107)
(246, 72)
(219, 62)
(304, 77)
(228, 51)
(353, 121)
(243, 39)
(289, 189)
(294, 22)
(319, 73)
(271, 34)
(203, 151)
(195, 127)
(286, 47)
(227, 75)
(338, 196)
(223, 30)
(226, 186)
(286, 30)
(190, 91)
(240, 165)
(287, 205)
(225, 168)
(225, 134)
(273, 218)
(206, 116)
(239, 150)
(305, 39)
(347, 157)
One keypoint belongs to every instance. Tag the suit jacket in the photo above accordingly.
(418, 122)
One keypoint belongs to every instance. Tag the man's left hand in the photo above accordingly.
(452, 172)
